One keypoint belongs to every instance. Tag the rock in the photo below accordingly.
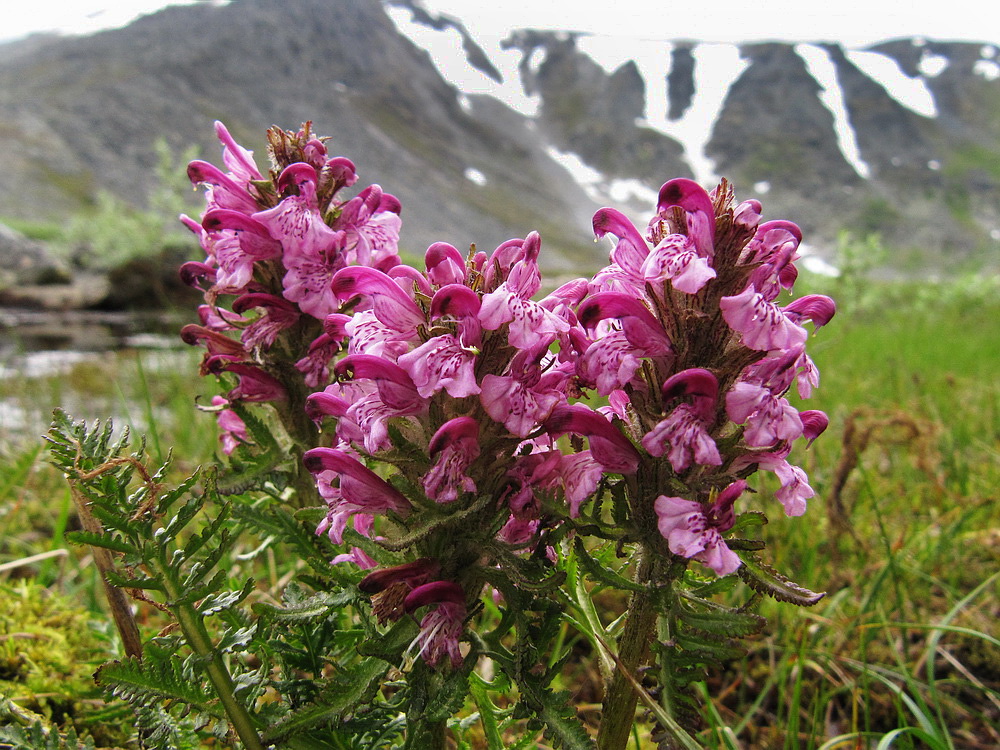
(27, 262)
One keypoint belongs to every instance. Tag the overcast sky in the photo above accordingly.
(852, 22)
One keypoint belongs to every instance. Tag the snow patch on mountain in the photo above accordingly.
(912, 93)
(823, 70)
(447, 54)
(717, 66)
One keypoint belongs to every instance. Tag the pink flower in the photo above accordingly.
(699, 213)
(442, 627)
(232, 430)
(684, 433)
(631, 250)
(511, 303)
(692, 531)
(763, 325)
(453, 448)
(685, 429)
(769, 418)
(676, 259)
(608, 446)
(524, 396)
(359, 490)
(279, 315)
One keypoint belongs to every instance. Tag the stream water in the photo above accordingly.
(85, 362)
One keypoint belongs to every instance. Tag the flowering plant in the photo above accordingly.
(462, 467)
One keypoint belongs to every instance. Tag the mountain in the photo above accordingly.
(485, 138)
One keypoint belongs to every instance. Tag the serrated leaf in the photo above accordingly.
(599, 572)
(354, 687)
(390, 646)
(315, 606)
(725, 622)
(561, 723)
(225, 599)
(752, 519)
(718, 649)
(147, 684)
(766, 580)
(105, 540)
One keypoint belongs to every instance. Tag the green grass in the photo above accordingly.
(904, 651)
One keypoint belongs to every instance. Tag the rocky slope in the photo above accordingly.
(531, 134)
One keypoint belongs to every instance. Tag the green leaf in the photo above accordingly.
(488, 712)
(317, 605)
(601, 573)
(107, 540)
(561, 723)
(718, 649)
(752, 519)
(725, 622)
(149, 683)
(390, 646)
(766, 580)
(225, 599)
(351, 688)
(450, 695)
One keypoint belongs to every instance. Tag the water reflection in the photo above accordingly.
(93, 364)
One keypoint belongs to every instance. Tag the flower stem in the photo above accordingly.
(620, 700)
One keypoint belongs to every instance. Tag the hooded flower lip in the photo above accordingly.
(696, 383)
(697, 205)
(818, 308)
(225, 192)
(445, 265)
(453, 448)
(608, 445)
(412, 573)
(814, 424)
(391, 305)
(434, 592)
(631, 250)
(640, 327)
(684, 431)
(395, 387)
(368, 491)
(254, 385)
(237, 159)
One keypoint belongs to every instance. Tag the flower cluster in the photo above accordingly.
(272, 245)
(696, 356)
(438, 400)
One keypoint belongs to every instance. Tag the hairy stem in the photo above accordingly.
(195, 633)
(620, 699)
